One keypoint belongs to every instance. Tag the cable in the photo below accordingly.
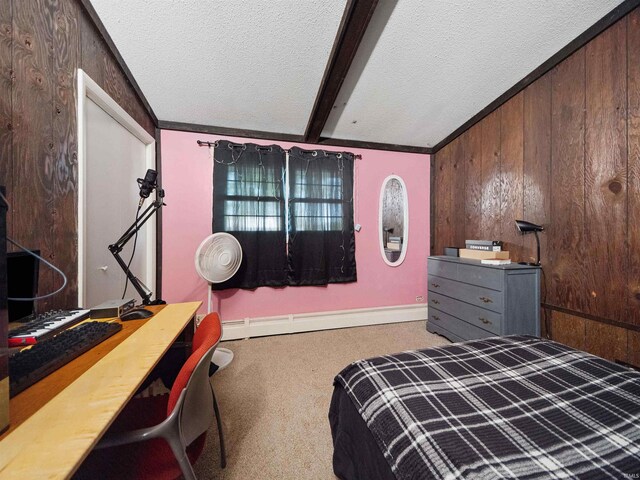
(53, 267)
(6, 202)
(133, 252)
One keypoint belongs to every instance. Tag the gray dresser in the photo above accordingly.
(468, 299)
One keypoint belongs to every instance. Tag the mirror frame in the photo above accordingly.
(405, 220)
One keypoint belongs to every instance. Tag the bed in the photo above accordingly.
(504, 407)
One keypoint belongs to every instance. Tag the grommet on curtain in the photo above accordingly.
(231, 146)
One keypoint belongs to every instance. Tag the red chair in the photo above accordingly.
(160, 437)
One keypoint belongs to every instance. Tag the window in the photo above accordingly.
(321, 247)
(316, 199)
(252, 199)
(248, 202)
(292, 215)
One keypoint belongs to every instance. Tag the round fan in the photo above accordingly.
(218, 258)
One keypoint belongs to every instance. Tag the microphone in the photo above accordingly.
(147, 184)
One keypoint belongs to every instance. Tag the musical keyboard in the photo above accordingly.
(45, 325)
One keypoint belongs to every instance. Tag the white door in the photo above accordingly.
(115, 155)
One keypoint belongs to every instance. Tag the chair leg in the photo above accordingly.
(223, 455)
(182, 458)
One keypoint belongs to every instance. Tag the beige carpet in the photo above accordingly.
(274, 399)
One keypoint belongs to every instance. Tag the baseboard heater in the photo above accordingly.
(309, 322)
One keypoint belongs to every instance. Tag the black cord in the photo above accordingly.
(6, 202)
(50, 265)
(133, 252)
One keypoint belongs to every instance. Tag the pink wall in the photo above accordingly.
(187, 179)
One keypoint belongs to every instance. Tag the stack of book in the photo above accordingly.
(493, 261)
(484, 245)
(394, 243)
(487, 251)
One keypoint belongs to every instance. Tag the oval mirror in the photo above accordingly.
(393, 224)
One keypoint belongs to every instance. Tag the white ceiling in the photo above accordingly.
(422, 70)
(229, 63)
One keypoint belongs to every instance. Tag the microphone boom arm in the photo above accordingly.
(136, 226)
(117, 247)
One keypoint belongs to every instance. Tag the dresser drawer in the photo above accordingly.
(479, 296)
(473, 300)
(442, 323)
(481, 276)
(480, 317)
(442, 269)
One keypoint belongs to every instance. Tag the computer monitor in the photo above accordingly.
(22, 282)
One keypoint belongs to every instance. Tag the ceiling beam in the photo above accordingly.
(338, 142)
(227, 131)
(353, 25)
(285, 137)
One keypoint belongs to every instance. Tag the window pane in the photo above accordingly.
(317, 216)
(317, 195)
(252, 215)
(317, 184)
(252, 181)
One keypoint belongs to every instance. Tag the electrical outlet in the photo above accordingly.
(420, 298)
(199, 318)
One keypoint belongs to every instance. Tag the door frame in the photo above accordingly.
(89, 89)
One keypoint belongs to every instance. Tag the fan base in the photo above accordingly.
(222, 357)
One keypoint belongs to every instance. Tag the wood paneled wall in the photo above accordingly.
(564, 153)
(42, 44)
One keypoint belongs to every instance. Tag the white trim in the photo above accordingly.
(308, 322)
(405, 240)
(87, 88)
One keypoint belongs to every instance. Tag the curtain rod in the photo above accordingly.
(215, 144)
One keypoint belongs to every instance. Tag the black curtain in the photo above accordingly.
(321, 246)
(248, 199)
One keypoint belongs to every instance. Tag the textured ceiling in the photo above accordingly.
(424, 66)
(231, 63)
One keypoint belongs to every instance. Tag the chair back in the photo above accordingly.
(191, 391)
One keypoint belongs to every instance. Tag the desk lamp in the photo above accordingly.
(525, 227)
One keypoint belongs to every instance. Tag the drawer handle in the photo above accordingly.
(435, 301)
(484, 320)
(486, 299)
(435, 317)
(435, 285)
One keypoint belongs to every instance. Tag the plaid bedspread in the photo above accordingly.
(505, 407)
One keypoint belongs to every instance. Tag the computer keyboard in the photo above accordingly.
(29, 365)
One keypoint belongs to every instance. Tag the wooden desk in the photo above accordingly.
(61, 418)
